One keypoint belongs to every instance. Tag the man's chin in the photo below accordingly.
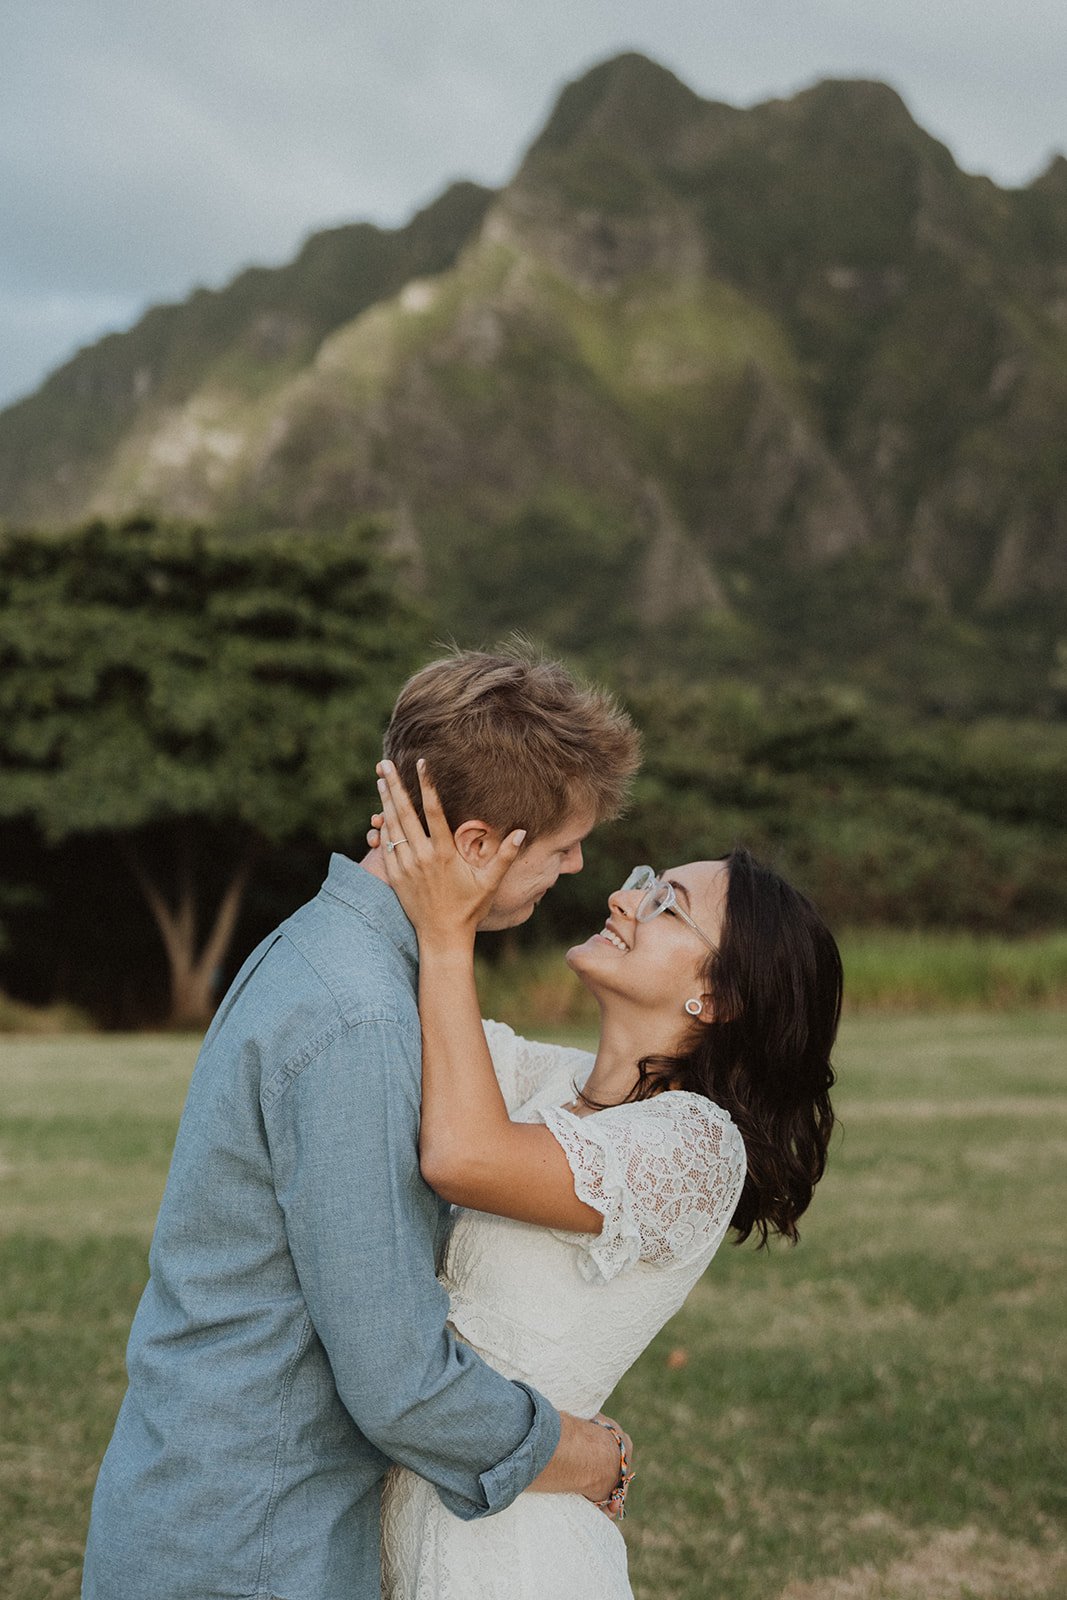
(498, 920)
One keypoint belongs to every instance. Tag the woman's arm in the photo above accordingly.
(469, 1149)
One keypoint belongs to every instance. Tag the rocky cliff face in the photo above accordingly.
(684, 340)
(58, 446)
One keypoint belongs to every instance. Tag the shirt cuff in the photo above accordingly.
(500, 1485)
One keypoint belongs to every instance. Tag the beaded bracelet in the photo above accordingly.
(615, 1504)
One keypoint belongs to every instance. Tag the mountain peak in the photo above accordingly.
(627, 98)
(841, 110)
(1053, 180)
(868, 95)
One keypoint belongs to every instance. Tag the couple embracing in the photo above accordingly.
(403, 1257)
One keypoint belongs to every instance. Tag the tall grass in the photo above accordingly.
(889, 968)
(885, 969)
(17, 1017)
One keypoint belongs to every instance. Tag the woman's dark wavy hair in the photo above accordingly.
(775, 984)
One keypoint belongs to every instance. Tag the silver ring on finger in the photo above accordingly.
(391, 844)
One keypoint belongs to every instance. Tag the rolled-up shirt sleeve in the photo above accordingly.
(342, 1122)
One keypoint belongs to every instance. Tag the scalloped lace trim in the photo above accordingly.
(665, 1175)
(598, 1182)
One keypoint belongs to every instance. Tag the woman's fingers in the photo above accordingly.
(496, 869)
(440, 832)
(388, 862)
(394, 827)
(399, 824)
(385, 834)
(400, 814)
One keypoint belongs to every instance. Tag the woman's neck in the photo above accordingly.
(624, 1041)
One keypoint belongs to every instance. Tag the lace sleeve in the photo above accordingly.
(523, 1066)
(665, 1174)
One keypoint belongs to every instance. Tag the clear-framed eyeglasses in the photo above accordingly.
(659, 896)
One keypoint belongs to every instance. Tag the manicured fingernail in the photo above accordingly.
(387, 768)
(519, 836)
(420, 763)
(381, 785)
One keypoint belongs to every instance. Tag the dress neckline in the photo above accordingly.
(690, 1094)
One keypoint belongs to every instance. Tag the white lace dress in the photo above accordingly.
(567, 1313)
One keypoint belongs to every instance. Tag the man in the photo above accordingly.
(292, 1340)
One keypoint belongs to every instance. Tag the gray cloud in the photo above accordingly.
(146, 149)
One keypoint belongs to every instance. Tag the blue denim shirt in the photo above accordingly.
(291, 1341)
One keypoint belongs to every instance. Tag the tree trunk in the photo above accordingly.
(194, 972)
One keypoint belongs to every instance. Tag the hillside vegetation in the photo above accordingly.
(773, 389)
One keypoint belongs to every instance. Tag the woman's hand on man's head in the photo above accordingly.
(445, 882)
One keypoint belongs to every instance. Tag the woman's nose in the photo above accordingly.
(624, 901)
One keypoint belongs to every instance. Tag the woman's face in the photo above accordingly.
(656, 965)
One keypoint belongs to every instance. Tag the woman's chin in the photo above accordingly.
(577, 956)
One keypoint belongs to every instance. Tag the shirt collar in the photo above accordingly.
(356, 887)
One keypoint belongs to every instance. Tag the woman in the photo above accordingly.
(595, 1191)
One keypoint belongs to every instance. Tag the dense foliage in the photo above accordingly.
(174, 706)
(883, 818)
(189, 722)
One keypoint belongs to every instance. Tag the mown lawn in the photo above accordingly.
(873, 1416)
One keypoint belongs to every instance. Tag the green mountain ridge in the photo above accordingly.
(265, 324)
(782, 374)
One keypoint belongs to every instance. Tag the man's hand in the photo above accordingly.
(586, 1461)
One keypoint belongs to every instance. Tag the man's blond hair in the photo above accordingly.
(513, 741)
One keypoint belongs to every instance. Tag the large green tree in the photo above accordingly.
(194, 699)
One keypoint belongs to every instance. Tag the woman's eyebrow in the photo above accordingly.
(679, 889)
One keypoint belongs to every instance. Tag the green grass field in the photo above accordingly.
(872, 1416)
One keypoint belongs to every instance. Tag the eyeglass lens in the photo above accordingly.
(656, 898)
(640, 878)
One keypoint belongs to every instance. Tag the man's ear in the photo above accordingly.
(475, 841)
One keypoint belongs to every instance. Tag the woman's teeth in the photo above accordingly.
(613, 938)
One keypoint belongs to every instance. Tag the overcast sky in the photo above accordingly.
(147, 148)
